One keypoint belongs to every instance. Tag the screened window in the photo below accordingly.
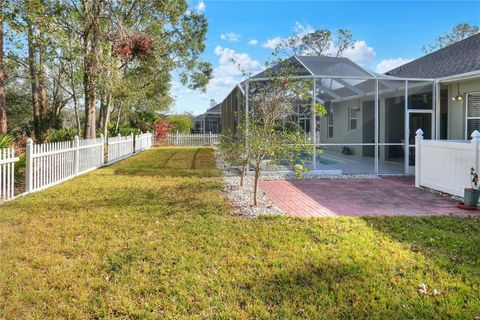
(330, 125)
(473, 113)
(352, 118)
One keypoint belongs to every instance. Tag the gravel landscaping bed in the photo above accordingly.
(241, 198)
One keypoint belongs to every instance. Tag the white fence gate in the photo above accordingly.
(119, 148)
(143, 141)
(7, 174)
(192, 140)
(444, 165)
(52, 163)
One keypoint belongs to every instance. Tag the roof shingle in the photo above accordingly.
(457, 58)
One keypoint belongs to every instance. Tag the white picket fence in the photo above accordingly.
(7, 174)
(52, 163)
(192, 140)
(119, 148)
(143, 141)
(444, 165)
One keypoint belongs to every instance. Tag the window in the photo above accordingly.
(352, 118)
(330, 124)
(473, 113)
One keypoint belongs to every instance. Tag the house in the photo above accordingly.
(372, 118)
(456, 70)
(210, 121)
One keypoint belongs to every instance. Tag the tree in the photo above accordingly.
(3, 104)
(234, 151)
(272, 101)
(113, 56)
(319, 43)
(180, 123)
(459, 32)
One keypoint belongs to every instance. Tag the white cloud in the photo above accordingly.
(253, 42)
(231, 65)
(230, 36)
(301, 29)
(389, 64)
(361, 53)
(272, 43)
(201, 6)
(226, 75)
(298, 29)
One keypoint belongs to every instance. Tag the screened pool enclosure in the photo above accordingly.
(371, 118)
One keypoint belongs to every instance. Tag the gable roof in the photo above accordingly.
(460, 57)
(215, 109)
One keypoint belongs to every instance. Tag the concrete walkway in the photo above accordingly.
(393, 196)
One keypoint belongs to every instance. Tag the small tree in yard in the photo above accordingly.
(234, 150)
(265, 142)
(272, 101)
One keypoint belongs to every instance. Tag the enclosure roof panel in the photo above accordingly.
(333, 66)
(304, 66)
(292, 63)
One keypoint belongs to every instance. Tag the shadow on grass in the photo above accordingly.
(449, 242)
(171, 162)
(342, 290)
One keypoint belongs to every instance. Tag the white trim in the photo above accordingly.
(350, 118)
(467, 94)
(460, 76)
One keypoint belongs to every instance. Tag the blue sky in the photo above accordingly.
(388, 33)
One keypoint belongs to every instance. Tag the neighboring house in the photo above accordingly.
(361, 134)
(210, 121)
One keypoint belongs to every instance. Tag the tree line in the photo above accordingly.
(101, 63)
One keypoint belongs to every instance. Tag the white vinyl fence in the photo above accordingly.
(7, 174)
(52, 163)
(143, 141)
(119, 148)
(444, 165)
(192, 140)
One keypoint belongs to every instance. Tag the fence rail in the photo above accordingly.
(192, 140)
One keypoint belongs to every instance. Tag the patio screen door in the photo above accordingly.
(418, 119)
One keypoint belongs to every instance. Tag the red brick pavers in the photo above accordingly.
(391, 196)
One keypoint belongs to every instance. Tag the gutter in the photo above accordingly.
(459, 77)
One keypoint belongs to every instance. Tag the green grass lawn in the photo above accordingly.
(152, 237)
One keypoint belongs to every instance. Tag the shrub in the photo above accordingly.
(58, 135)
(180, 123)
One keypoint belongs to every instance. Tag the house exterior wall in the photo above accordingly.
(341, 131)
(457, 109)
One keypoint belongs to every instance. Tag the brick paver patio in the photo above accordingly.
(357, 197)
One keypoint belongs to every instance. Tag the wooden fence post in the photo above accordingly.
(418, 147)
(29, 166)
(76, 157)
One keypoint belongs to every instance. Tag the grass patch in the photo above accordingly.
(152, 237)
